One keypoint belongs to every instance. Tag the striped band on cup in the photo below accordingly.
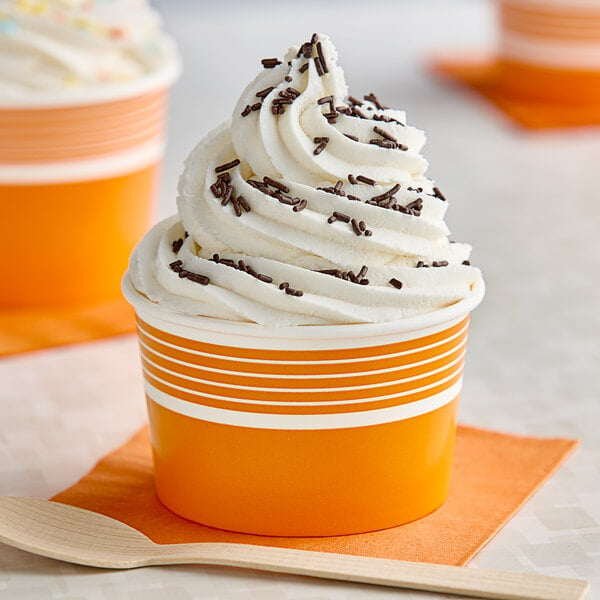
(551, 34)
(303, 389)
(55, 135)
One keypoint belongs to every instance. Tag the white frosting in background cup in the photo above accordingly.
(57, 51)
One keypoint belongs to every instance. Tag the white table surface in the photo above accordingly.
(528, 203)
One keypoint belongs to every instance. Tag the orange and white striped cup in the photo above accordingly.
(302, 431)
(78, 183)
(550, 50)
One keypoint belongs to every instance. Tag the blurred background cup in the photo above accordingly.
(83, 99)
(78, 186)
(550, 50)
(302, 431)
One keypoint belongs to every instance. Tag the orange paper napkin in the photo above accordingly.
(494, 474)
(22, 330)
(480, 73)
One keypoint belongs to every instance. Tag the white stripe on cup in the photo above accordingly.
(112, 165)
(312, 390)
(376, 357)
(566, 54)
(304, 422)
(148, 351)
(370, 399)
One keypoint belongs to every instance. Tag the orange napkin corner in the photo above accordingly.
(478, 72)
(494, 474)
(23, 330)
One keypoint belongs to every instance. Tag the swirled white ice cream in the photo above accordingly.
(307, 207)
(68, 45)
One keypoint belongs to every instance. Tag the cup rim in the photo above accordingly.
(160, 78)
(144, 307)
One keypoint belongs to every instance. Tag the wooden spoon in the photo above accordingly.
(83, 537)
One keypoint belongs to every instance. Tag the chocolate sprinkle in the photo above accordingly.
(244, 203)
(366, 180)
(276, 184)
(322, 144)
(438, 194)
(386, 195)
(176, 245)
(325, 100)
(322, 57)
(439, 263)
(286, 199)
(259, 185)
(227, 166)
(415, 207)
(264, 278)
(197, 278)
(270, 63)
(319, 66)
(290, 291)
(396, 283)
(466, 262)
(352, 137)
(303, 68)
(357, 113)
(236, 206)
(305, 50)
(300, 206)
(384, 134)
(341, 217)
(264, 93)
(373, 98)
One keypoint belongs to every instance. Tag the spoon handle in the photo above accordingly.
(477, 583)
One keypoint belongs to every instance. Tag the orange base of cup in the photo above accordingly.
(69, 243)
(302, 483)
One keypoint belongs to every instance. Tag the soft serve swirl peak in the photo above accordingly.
(308, 206)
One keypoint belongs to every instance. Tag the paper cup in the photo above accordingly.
(302, 431)
(78, 183)
(550, 50)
